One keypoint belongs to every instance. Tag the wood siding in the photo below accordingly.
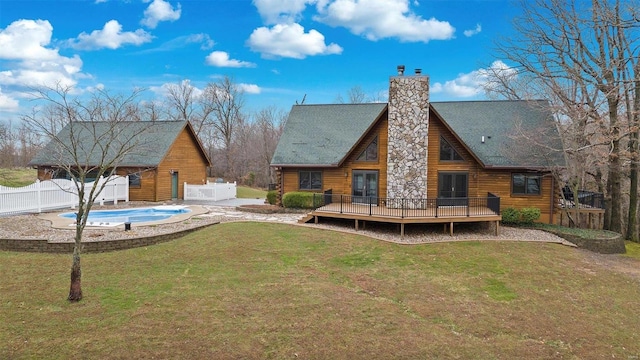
(481, 181)
(339, 180)
(184, 157)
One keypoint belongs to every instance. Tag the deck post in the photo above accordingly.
(356, 224)
(451, 229)
(315, 219)
(402, 230)
(341, 201)
(497, 228)
(370, 205)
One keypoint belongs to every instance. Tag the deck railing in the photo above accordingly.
(586, 199)
(407, 208)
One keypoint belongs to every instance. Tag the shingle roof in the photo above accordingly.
(504, 124)
(323, 134)
(153, 141)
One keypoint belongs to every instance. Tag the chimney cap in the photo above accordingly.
(400, 70)
(418, 71)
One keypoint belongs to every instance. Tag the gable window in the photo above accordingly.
(525, 184)
(310, 180)
(447, 152)
(371, 152)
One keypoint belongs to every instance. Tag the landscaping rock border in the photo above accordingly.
(46, 246)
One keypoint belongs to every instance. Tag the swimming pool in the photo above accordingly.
(133, 215)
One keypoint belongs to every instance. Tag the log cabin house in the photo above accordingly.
(166, 155)
(414, 154)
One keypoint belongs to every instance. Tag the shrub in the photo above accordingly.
(301, 200)
(271, 196)
(510, 215)
(529, 215)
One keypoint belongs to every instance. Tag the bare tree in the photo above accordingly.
(355, 95)
(270, 123)
(7, 146)
(581, 53)
(225, 100)
(87, 139)
(185, 102)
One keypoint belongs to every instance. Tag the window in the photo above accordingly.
(522, 184)
(134, 180)
(447, 152)
(310, 180)
(371, 152)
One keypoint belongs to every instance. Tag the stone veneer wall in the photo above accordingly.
(408, 128)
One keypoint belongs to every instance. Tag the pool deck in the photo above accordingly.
(65, 223)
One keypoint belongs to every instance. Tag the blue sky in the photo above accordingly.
(276, 50)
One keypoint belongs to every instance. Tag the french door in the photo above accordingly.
(453, 188)
(364, 186)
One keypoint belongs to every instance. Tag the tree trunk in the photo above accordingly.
(75, 292)
(633, 203)
(615, 193)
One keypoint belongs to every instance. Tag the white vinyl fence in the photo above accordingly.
(210, 191)
(57, 194)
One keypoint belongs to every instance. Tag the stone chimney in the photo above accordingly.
(408, 129)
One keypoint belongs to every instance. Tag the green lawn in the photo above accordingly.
(256, 290)
(17, 177)
(243, 192)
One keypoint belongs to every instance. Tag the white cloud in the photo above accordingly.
(27, 39)
(471, 32)
(8, 103)
(163, 90)
(31, 62)
(290, 41)
(221, 59)
(473, 83)
(160, 10)
(249, 88)
(204, 40)
(281, 11)
(380, 19)
(111, 37)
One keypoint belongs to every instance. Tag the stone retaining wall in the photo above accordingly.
(44, 246)
(613, 245)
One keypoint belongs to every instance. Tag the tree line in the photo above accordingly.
(239, 143)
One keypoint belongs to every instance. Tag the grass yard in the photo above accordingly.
(243, 192)
(256, 290)
(17, 177)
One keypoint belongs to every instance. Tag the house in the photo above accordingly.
(166, 155)
(411, 148)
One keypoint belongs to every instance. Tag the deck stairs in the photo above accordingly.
(305, 219)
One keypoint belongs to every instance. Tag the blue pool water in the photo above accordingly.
(136, 215)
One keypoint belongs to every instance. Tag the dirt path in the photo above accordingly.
(618, 263)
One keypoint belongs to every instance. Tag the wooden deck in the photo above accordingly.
(447, 215)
